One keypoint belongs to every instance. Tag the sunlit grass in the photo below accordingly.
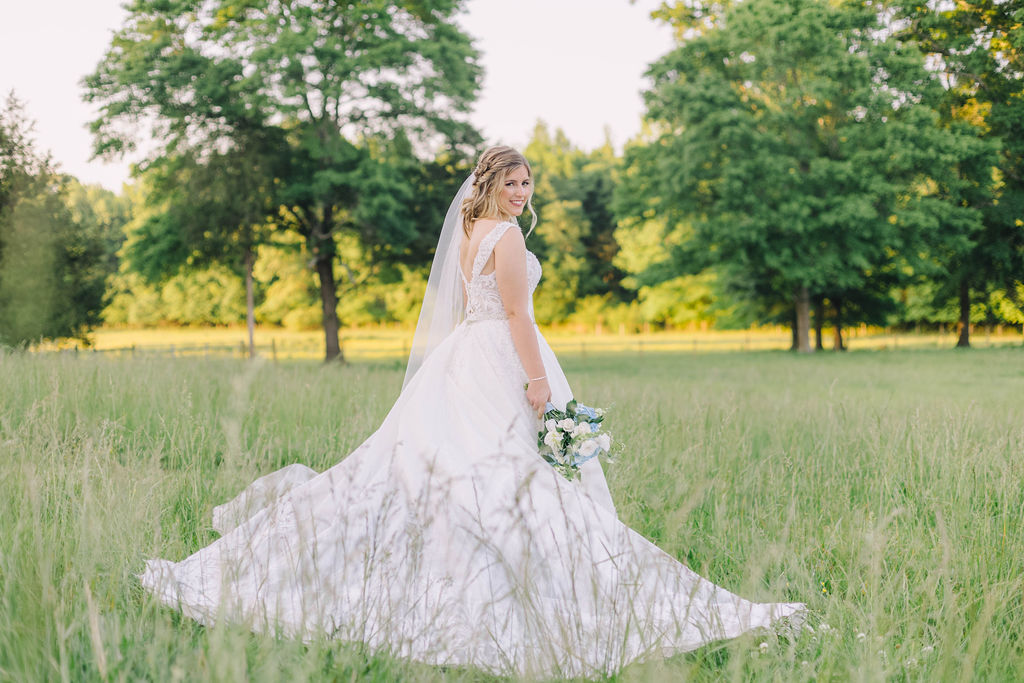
(393, 343)
(884, 489)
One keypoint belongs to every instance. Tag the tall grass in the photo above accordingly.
(884, 489)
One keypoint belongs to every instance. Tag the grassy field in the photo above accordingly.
(882, 488)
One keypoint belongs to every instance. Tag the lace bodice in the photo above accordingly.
(483, 302)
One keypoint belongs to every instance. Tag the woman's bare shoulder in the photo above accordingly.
(511, 239)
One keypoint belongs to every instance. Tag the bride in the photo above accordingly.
(445, 537)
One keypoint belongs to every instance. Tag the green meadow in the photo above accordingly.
(883, 488)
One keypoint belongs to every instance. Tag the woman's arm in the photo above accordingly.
(510, 272)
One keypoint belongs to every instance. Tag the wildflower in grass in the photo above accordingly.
(861, 637)
(927, 649)
(763, 647)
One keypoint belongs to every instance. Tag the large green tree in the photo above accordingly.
(789, 141)
(346, 87)
(57, 241)
(208, 211)
(978, 48)
(575, 235)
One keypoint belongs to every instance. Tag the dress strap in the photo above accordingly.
(483, 252)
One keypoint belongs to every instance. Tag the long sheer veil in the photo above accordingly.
(443, 303)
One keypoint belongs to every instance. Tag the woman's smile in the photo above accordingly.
(517, 190)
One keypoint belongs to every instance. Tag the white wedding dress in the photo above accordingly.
(445, 538)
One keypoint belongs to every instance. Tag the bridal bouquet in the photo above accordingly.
(571, 437)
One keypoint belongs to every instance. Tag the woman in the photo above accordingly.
(445, 537)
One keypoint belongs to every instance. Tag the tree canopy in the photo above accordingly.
(350, 93)
(57, 240)
(978, 49)
(807, 162)
(796, 146)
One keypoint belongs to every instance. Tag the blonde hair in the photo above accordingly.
(494, 166)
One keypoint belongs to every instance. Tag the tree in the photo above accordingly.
(978, 48)
(55, 250)
(182, 266)
(347, 87)
(575, 236)
(210, 211)
(788, 139)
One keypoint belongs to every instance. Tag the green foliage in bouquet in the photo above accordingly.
(571, 437)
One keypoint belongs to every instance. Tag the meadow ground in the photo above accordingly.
(885, 489)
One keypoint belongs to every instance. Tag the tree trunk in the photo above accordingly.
(803, 320)
(250, 301)
(964, 342)
(320, 242)
(795, 344)
(819, 319)
(837, 335)
(329, 300)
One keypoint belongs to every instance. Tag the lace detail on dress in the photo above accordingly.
(483, 302)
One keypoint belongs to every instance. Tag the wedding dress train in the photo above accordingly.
(445, 537)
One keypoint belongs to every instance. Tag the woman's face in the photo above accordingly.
(513, 196)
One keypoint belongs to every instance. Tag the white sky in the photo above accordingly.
(576, 64)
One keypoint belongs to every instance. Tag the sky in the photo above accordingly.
(577, 65)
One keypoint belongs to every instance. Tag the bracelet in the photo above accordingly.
(537, 379)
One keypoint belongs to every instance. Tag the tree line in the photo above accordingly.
(842, 157)
(811, 163)
(58, 240)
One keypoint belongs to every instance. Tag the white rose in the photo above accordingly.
(588, 448)
(551, 425)
(552, 439)
(580, 429)
(604, 441)
(568, 424)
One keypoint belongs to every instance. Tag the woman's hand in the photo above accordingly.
(538, 393)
